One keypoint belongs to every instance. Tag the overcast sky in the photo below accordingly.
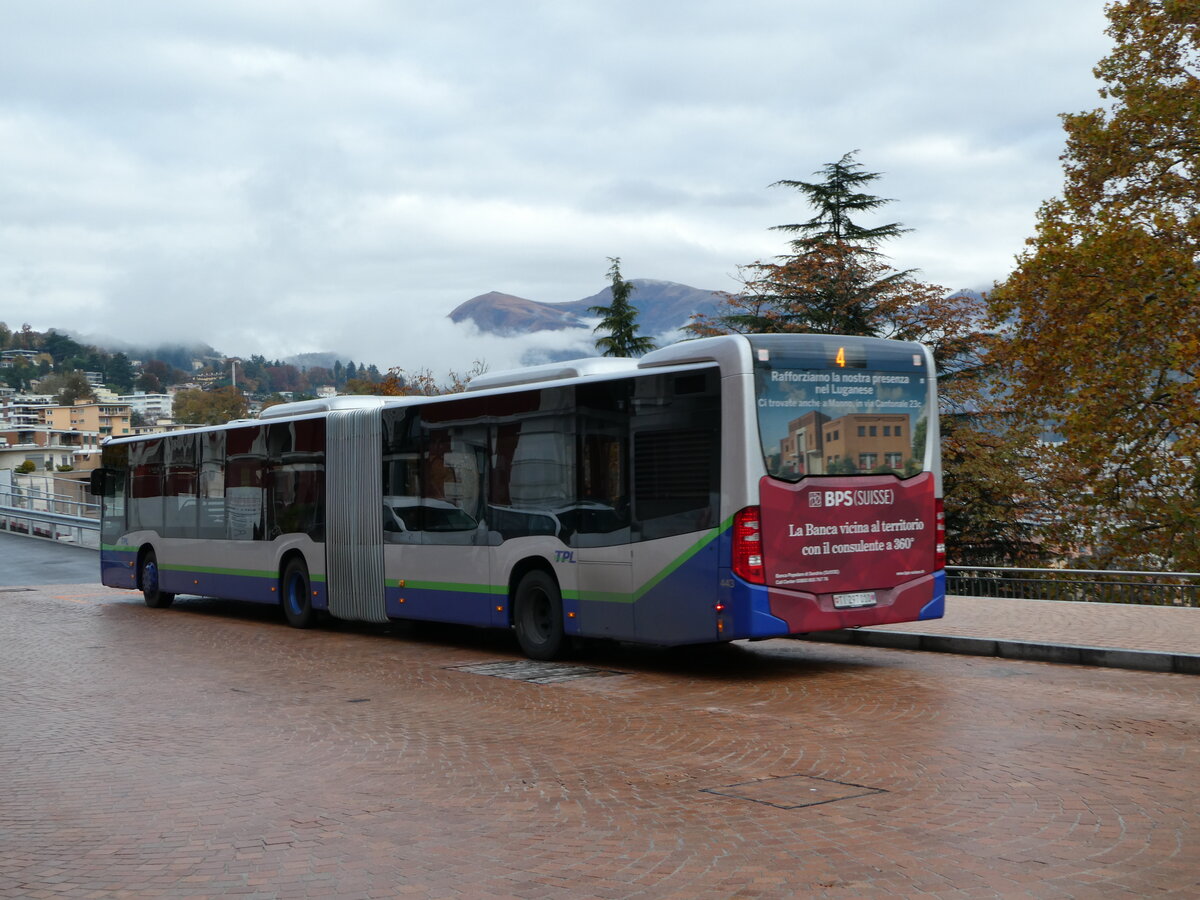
(281, 177)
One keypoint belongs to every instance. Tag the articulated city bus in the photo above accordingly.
(719, 489)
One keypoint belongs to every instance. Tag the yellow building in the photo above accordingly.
(105, 419)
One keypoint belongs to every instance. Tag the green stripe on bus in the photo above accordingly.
(489, 589)
(211, 570)
(681, 559)
(447, 586)
(660, 576)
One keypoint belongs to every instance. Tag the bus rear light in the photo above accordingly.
(747, 546)
(939, 553)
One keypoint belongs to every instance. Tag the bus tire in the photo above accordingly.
(152, 592)
(538, 616)
(296, 594)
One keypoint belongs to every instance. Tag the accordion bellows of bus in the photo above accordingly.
(733, 487)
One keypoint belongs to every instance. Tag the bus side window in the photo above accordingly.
(601, 512)
(180, 486)
(297, 478)
(676, 454)
(451, 501)
(113, 489)
(531, 480)
(146, 487)
(245, 477)
(212, 485)
(401, 476)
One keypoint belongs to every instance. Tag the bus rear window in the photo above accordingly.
(840, 406)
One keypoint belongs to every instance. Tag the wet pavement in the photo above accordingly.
(27, 560)
(208, 750)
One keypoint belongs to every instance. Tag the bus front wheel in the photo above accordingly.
(297, 595)
(155, 596)
(538, 617)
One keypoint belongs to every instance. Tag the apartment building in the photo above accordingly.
(104, 419)
(151, 407)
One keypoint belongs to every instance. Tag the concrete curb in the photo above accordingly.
(1108, 657)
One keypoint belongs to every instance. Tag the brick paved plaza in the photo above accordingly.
(208, 750)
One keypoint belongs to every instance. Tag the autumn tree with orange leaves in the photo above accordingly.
(1104, 307)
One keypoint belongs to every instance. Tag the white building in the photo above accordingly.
(21, 410)
(150, 407)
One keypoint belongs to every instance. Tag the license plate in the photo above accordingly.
(852, 601)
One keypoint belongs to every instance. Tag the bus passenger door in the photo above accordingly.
(605, 578)
(598, 522)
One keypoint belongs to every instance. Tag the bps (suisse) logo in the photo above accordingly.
(815, 499)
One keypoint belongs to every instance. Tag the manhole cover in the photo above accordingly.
(536, 672)
(794, 791)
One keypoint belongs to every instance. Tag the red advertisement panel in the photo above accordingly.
(825, 535)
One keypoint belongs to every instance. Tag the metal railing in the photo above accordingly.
(1094, 585)
(33, 511)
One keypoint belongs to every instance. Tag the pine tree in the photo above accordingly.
(836, 198)
(834, 280)
(620, 319)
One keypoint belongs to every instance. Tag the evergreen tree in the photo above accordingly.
(118, 373)
(619, 319)
(836, 198)
(833, 281)
(836, 282)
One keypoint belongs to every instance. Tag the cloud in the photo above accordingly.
(275, 178)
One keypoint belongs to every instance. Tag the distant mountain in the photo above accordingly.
(663, 306)
(497, 313)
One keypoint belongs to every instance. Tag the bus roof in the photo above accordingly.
(722, 349)
(732, 352)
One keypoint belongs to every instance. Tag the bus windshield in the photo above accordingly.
(840, 406)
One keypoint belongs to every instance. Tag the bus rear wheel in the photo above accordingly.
(296, 594)
(152, 592)
(538, 617)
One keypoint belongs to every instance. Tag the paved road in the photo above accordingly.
(207, 750)
(26, 560)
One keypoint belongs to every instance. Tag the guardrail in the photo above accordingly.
(28, 510)
(52, 526)
(1094, 585)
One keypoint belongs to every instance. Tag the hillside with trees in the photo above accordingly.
(53, 362)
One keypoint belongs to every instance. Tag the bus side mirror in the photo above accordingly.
(99, 482)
